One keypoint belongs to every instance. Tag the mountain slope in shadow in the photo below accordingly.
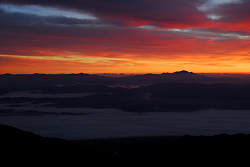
(27, 146)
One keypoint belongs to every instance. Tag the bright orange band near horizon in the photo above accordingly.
(114, 38)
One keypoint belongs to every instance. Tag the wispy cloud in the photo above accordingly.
(46, 11)
(125, 36)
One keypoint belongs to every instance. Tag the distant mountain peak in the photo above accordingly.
(183, 72)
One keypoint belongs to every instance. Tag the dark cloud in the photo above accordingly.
(233, 12)
(31, 19)
(159, 10)
(239, 12)
(170, 12)
(180, 13)
(24, 34)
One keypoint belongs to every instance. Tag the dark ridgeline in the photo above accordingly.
(179, 91)
(36, 81)
(29, 148)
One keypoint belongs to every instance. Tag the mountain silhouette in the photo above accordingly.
(10, 82)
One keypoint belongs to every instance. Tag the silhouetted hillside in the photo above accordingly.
(27, 147)
(18, 82)
(35, 81)
(182, 76)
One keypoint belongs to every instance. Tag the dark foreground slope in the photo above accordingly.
(23, 145)
(224, 148)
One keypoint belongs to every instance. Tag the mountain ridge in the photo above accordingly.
(36, 80)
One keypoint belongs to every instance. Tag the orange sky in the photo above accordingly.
(124, 37)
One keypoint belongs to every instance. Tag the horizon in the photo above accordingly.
(202, 36)
(131, 74)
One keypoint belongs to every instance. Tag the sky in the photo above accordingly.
(124, 36)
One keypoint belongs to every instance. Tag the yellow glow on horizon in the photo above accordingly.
(76, 63)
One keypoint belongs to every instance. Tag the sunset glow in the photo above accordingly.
(115, 36)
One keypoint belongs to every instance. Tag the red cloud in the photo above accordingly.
(140, 36)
